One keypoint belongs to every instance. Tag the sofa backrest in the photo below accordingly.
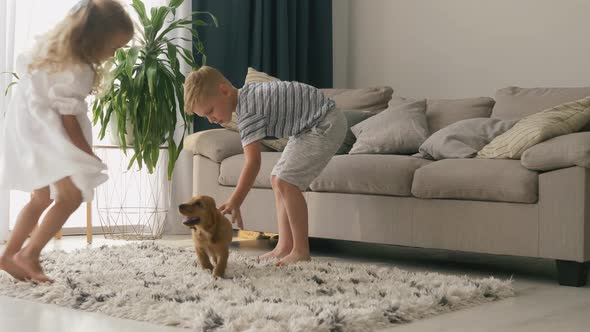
(514, 103)
(372, 99)
(443, 112)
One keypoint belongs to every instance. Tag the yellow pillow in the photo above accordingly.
(560, 120)
(255, 76)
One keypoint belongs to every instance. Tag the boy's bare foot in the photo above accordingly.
(276, 253)
(293, 257)
(32, 267)
(7, 264)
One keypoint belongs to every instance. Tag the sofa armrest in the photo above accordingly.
(215, 144)
(559, 152)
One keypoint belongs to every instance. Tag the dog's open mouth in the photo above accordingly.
(191, 221)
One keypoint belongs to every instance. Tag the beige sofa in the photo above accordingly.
(474, 205)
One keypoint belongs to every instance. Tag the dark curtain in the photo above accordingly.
(288, 39)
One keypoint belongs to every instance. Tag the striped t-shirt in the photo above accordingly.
(278, 109)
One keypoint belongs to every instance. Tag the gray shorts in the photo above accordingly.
(308, 153)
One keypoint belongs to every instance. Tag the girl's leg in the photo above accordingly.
(285, 244)
(296, 208)
(67, 201)
(25, 223)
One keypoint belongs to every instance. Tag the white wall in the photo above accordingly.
(460, 48)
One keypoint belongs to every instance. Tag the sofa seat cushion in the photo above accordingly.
(369, 174)
(498, 180)
(230, 170)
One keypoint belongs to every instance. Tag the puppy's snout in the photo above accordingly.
(182, 206)
(192, 221)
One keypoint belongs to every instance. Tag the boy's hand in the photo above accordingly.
(234, 210)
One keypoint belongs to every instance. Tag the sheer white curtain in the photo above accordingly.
(7, 19)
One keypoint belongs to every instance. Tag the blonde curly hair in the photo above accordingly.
(81, 36)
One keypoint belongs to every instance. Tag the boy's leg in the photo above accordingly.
(285, 244)
(68, 200)
(25, 223)
(303, 159)
(296, 208)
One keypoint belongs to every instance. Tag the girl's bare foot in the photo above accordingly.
(294, 257)
(276, 253)
(31, 266)
(7, 264)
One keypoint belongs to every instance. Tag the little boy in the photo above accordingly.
(276, 109)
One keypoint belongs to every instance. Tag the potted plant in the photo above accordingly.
(145, 85)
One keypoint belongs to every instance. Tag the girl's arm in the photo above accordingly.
(75, 133)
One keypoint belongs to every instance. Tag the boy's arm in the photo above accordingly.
(249, 172)
(247, 177)
(74, 131)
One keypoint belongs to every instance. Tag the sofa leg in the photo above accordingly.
(573, 274)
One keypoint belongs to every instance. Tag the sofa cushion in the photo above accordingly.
(559, 152)
(559, 120)
(443, 112)
(352, 118)
(369, 174)
(373, 99)
(514, 103)
(463, 139)
(400, 129)
(216, 144)
(230, 170)
(477, 179)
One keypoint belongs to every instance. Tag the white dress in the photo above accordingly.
(35, 150)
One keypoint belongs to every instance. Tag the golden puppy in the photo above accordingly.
(212, 232)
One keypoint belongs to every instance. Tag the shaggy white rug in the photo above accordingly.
(164, 285)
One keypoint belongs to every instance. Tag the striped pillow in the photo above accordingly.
(562, 119)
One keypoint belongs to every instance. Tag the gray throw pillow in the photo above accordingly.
(400, 129)
(463, 139)
(352, 117)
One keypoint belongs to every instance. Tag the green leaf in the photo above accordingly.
(158, 16)
(211, 16)
(151, 73)
(8, 88)
(11, 73)
(132, 55)
(141, 12)
(175, 3)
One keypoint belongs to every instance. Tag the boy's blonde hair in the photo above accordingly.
(81, 35)
(200, 85)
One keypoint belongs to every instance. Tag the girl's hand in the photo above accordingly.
(233, 209)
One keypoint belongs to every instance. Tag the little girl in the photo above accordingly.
(45, 141)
